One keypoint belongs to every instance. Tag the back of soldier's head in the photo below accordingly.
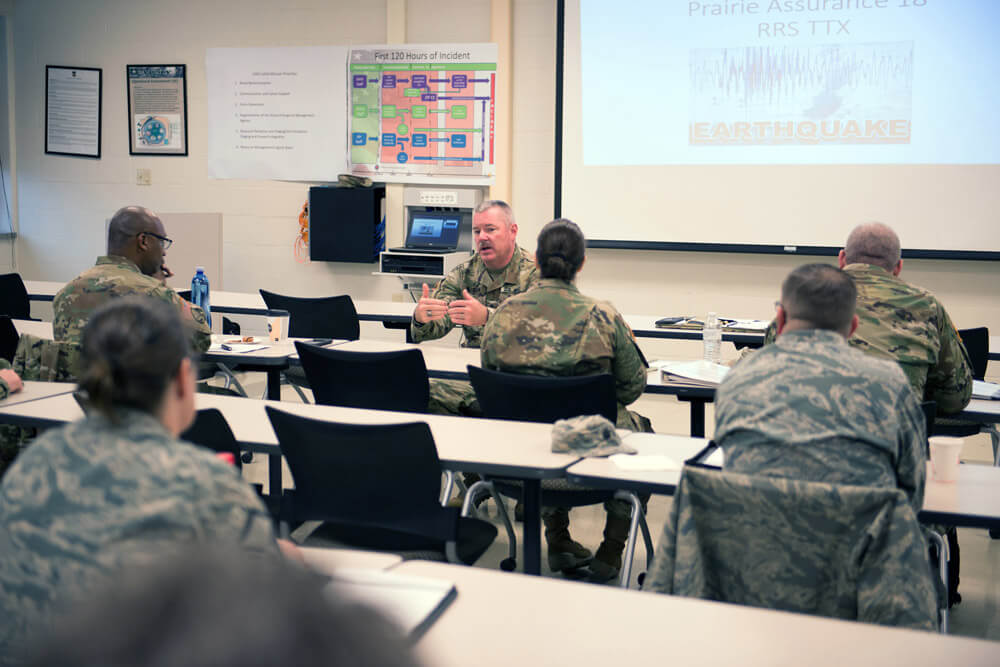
(873, 243)
(127, 223)
(131, 348)
(560, 251)
(220, 607)
(821, 296)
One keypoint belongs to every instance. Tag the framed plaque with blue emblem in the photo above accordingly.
(157, 109)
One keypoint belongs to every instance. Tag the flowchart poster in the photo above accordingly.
(422, 110)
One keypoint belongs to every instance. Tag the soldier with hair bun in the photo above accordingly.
(553, 329)
(88, 501)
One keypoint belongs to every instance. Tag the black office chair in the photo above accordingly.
(374, 487)
(211, 430)
(325, 317)
(8, 338)
(977, 344)
(378, 380)
(547, 399)
(14, 297)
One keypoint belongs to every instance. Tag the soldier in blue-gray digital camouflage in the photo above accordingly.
(137, 245)
(469, 295)
(553, 329)
(812, 407)
(91, 500)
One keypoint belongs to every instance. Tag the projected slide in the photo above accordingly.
(789, 82)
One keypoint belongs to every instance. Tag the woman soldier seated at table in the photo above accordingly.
(553, 329)
(91, 500)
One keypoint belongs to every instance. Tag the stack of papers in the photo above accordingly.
(988, 390)
(699, 373)
(237, 347)
(413, 603)
(727, 324)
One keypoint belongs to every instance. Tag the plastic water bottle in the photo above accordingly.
(711, 335)
(199, 293)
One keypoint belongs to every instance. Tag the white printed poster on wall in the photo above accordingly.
(394, 113)
(424, 109)
(157, 109)
(276, 113)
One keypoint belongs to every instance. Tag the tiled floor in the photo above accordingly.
(977, 616)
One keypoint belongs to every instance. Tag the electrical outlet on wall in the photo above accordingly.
(143, 176)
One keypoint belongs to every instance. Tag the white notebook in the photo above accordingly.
(982, 389)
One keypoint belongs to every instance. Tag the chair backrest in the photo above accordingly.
(14, 300)
(537, 398)
(977, 344)
(357, 474)
(811, 547)
(377, 380)
(211, 430)
(8, 338)
(326, 317)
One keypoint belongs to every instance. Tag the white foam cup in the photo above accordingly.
(944, 457)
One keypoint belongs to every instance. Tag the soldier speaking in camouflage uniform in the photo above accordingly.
(811, 407)
(903, 323)
(137, 244)
(469, 294)
(94, 499)
(552, 329)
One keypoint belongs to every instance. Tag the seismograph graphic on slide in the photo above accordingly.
(805, 95)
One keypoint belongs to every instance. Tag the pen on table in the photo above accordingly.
(227, 348)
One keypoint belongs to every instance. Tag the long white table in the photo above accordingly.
(504, 619)
(973, 500)
(33, 391)
(517, 450)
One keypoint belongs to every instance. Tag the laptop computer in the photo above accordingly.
(432, 232)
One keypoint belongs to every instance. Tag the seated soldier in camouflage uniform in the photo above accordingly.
(553, 329)
(903, 323)
(811, 407)
(91, 500)
(469, 295)
(137, 245)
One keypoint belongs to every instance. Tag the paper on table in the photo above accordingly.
(414, 603)
(241, 348)
(982, 389)
(644, 462)
(703, 371)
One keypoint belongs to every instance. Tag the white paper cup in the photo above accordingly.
(944, 457)
(277, 325)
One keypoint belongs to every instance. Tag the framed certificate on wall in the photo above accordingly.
(73, 111)
(157, 109)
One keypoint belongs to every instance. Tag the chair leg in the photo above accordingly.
(446, 488)
(510, 562)
(230, 377)
(942, 550)
(995, 441)
(298, 390)
(638, 520)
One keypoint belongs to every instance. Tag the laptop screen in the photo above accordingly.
(436, 231)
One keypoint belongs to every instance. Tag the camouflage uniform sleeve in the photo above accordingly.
(233, 513)
(628, 367)
(449, 289)
(4, 389)
(193, 317)
(911, 461)
(949, 381)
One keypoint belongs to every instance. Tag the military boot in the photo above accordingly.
(563, 553)
(607, 563)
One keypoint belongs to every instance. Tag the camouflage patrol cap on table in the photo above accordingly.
(591, 435)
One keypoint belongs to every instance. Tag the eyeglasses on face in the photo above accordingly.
(164, 241)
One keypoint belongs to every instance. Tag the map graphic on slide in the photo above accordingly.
(413, 111)
(807, 95)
